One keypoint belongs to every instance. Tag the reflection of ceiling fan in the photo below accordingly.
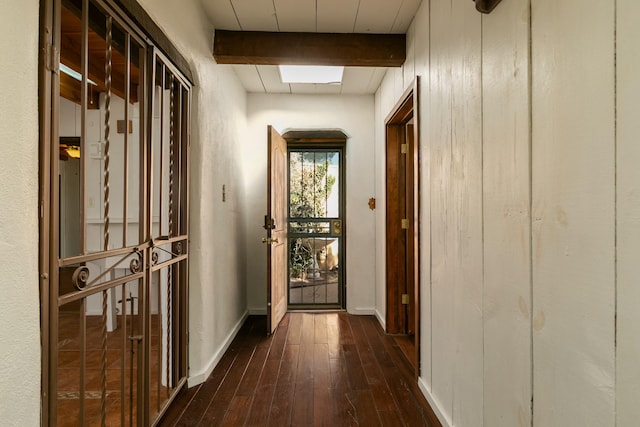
(69, 147)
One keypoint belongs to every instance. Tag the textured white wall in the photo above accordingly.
(19, 305)
(355, 116)
(217, 289)
(530, 210)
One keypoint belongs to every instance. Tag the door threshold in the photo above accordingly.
(407, 346)
(315, 310)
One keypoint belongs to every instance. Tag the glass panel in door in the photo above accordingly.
(315, 228)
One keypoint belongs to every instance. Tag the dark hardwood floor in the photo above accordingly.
(317, 369)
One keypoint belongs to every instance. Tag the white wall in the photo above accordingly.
(573, 200)
(627, 389)
(19, 305)
(530, 210)
(355, 116)
(218, 298)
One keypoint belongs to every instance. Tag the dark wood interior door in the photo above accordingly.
(276, 226)
(402, 222)
(409, 177)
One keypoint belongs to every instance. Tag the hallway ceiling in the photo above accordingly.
(329, 16)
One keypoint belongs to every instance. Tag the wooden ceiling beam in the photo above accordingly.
(271, 48)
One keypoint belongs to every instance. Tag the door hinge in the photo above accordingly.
(404, 148)
(404, 224)
(52, 58)
(405, 299)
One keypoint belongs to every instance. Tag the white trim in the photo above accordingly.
(433, 402)
(381, 320)
(262, 311)
(202, 376)
(361, 311)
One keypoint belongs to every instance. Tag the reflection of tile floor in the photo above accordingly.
(323, 290)
(69, 372)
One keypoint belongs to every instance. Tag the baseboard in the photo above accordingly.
(361, 311)
(381, 320)
(262, 311)
(202, 376)
(433, 403)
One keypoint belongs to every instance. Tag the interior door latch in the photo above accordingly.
(269, 223)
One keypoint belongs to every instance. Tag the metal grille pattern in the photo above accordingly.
(115, 322)
(315, 227)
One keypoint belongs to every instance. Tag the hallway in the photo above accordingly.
(317, 369)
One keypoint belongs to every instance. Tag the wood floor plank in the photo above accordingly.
(279, 339)
(339, 378)
(344, 329)
(175, 412)
(308, 329)
(369, 363)
(289, 364)
(383, 397)
(333, 335)
(357, 378)
(282, 405)
(304, 371)
(245, 336)
(366, 409)
(399, 378)
(284, 322)
(344, 409)
(302, 412)
(261, 405)
(270, 372)
(390, 419)
(322, 402)
(295, 328)
(321, 371)
(237, 413)
(323, 409)
(320, 329)
(221, 400)
(377, 346)
(197, 407)
(318, 369)
(406, 343)
(252, 374)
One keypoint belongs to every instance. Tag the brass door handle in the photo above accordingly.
(269, 240)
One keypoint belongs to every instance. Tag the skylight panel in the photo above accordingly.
(311, 74)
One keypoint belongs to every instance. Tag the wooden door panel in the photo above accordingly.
(403, 196)
(276, 229)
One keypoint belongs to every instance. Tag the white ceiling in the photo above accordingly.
(326, 16)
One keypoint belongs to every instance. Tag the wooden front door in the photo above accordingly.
(276, 226)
